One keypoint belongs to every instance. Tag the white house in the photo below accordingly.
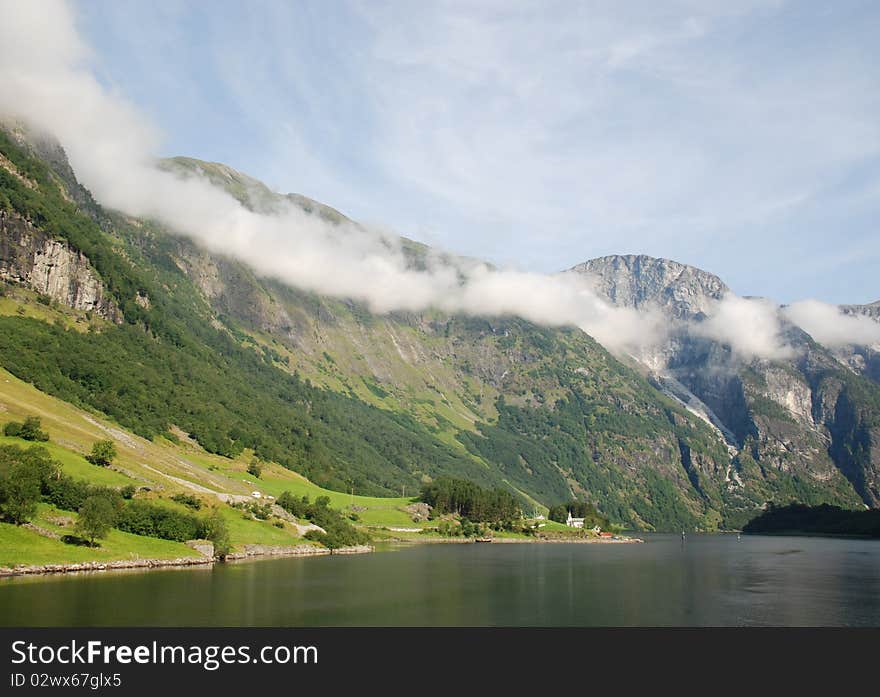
(574, 522)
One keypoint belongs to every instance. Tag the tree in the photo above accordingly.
(96, 517)
(30, 429)
(255, 469)
(216, 530)
(103, 453)
(19, 493)
(23, 474)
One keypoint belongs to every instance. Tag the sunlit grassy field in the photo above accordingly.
(161, 469)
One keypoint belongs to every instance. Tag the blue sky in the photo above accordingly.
(740, 137)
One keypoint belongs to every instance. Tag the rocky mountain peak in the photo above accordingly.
(634, 280)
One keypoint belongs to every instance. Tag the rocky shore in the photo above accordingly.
(249, 552)
(252, 551)
(32, 569)
(424, 539)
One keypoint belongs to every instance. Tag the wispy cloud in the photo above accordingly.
(547, 133)
(828, 325)
(48, 77)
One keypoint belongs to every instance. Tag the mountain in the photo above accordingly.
(151, 330)
(639, 281)
(250, 192)
(863, 359)
(808, 418)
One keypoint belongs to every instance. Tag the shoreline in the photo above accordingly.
(254, 552)
(800, 533)
(516, 540)
(250, 552)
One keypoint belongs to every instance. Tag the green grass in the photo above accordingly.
(275, 480)
(553, 526)
(72, 432)
(23, 546)
(259, 532)
(75, 465)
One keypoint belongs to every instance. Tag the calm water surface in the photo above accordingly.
(708, 580)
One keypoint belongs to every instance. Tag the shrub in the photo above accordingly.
(214, 528)
(12, 429)
(188, 500)
(67, 493)
(144, 518)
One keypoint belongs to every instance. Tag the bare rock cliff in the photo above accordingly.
(31, 258)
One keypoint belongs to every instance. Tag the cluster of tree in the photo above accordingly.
(578, 509)
(461, 528)
(30, 476)
(338, 532)
(820, 520)
(24, 475)
(464, 498)
(29, 429)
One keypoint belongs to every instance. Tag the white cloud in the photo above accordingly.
(544, 135)
(111, 147)
(46, 78)
(750, 326)
(828, 325)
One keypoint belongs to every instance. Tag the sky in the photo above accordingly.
(741, 137)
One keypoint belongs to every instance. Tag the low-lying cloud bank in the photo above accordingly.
(830, 326)
(750, 326)
(46, 80)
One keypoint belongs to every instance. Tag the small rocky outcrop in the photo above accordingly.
(203, 547)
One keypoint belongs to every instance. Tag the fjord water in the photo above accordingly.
(706, 580)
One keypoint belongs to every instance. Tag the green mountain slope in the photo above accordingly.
(193, 341)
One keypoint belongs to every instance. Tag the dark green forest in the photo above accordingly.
(815, 520)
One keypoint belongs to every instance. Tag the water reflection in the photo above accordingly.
(707, 580)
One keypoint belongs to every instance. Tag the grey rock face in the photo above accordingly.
(638, 280)
(861, 359)
(796, 419)
(30, 258)
(871, 309)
